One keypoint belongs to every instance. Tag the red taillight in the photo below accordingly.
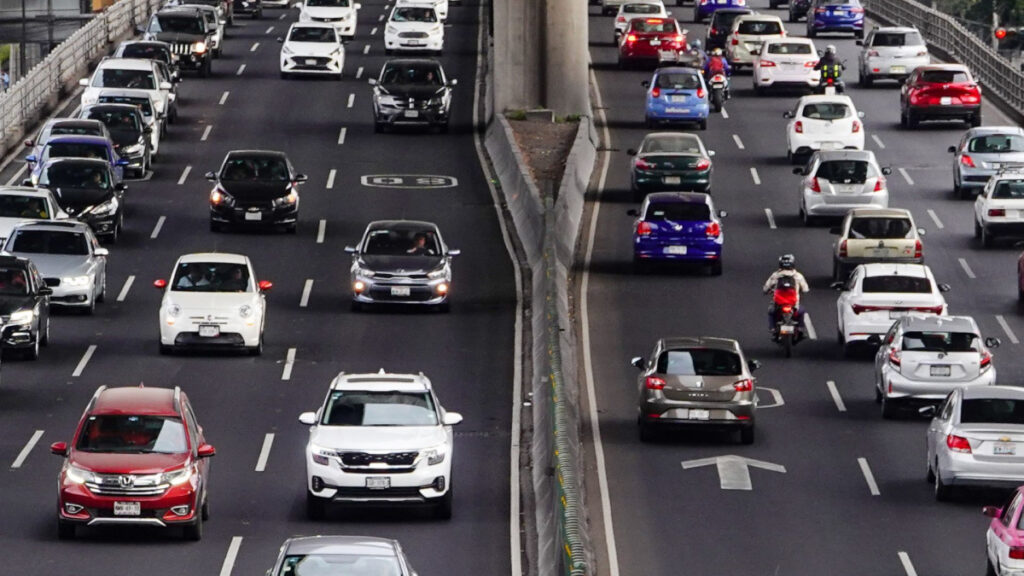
(703, 164)
(915, 98)
(798, 127)
(656, 92)
(700, 92)
(820, 10)
(830, 81)
(842, 249)
(713, 230)
(970, 98)
(810, 64)
(857, 10)
(996, 212)
(929, 309)
(986, 359)
(894, 358)
(620, 19)
(967, 161)
(712, 31)
(645, 165)
(918, 249)
(654, 383)
(860, 308)
(631, 38)
(880, 184)
(767, 63)
(643, 229)
(787, 309)
(815, 186)
(744, 385)
(959, 444)
(1016, 552)
(856, 126)
(735, 41)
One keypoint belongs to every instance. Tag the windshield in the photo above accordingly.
(23, 207)
(310, 34)
(339, 565)
(945, 76)
(992, 411)
(382, 242)
(882, 228)
(50, 242)
(143, 104)
(117, 119)
(996, 144)
(365, 408)
(896, 284)
(641, 9)
(121, 78)
(13, 282)
(897, 39)
(672, 145)
(260, 168)
(75, 130)
(211, 277)
(75, 150)
(846, 171)
(940, 342)
(426, 74)
(1009, 189)
(759, 27)
(73, 175)
(410, 14)
(334, 3)
(826, 111)
(699, 362)
(178, 24)
(678, 81)
(653, 26)
(132, 435)
(678, 211)
(145, 51)
(790, 48)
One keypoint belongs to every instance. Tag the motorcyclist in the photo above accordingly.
(787, 268)
(697, 49)
(830, 66)
(715, 64)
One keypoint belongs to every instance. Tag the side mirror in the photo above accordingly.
(27, 182)
(799, 171)
(101, 252)
(120, 187)
(265, 285)
(31, 159)
(886, 170)
(301, 177)
(638, 362)
(646, 83)
(45, 291)
(860, 114)
(631, 151)
(451, 418)
(211, 176)
(787, 114)
(633, 212)
(140, 29)
(453, 82)
(160, 284)
(722, 213)
(838, 286)
(371, 81)
(753, 365)
(921, 231)
(926, 410)
(83, 82)
(991, 342)
(951, 149)
(944, 288)
(206, 451)
(166, 85)
(875, 340)
(59, 448)
(350, 249)
(297, 5)
(990, 511)
(308, 418)
(357, 6)
(454, 252)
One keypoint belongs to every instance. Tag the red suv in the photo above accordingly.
(138, 458)
(940, 92)
(646, 37)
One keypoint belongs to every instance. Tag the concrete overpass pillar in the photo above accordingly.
(566, 57)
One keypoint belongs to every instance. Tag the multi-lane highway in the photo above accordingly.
(853, 498)
(249, 406)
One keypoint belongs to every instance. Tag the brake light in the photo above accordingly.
(820, 10)
(894, 357)
(744, 385)
(872, 53)
(929, 309)
(798, 127)
(918, 249)
(1017, 552)
(969, 98)
(654, 20)
(915, 98)
(856, 126)
(620, 19)
(787, 309)
(810, 64)
(880, 184)
(767, 63)
(712, 31)
(857, 10)
(986, 360)
(631, 38)
(960, 444)
(700, 92)
(996, 212)
(967, 161)
(656, 92)
(860, 308)
(842, 249)
(679, 38)
(815, 186)
(645, 165)
(703, 164)
(735, 39)
(830, 81)
(654, 383)
(713, 230)
(643, 229)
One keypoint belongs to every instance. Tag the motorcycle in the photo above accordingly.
(787, 330)
(719, 87)
(833, 86)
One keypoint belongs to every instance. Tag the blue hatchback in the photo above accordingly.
(77, 147)
(676, 94)
(835, 16)
(702, 9)
(678, 227)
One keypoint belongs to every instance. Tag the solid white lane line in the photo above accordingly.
(27, 449)
(206, 133)
(373, 32)
(304, 301)
(771, 218)
(967, 268)
(261, 462)
(184, 174)
(351, 100)
(1006, 328)
(908, 567)
(753, 174)
(725, 114)
(835, 395)
(868, 476)
(224, 97)
(330, 178)
(84, 361)
(254, 47)
(17, 175)
(906, 176)
(935, 218)
(359, 73)
(321, 230)
(736, 139)
(236, 543)
(343, 131)
(156, 229)
(240, 70)
(366, 49)
(878, 141)
(809, 326)
(124, 290)
(289, 361)
(269, 30)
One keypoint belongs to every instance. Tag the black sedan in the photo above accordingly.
(670, 161)
(24, 306)
(87, 189)
(255, 188)
(412, 92)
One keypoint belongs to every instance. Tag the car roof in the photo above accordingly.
(407, 61)
(310, 25)
(256, 153)
(997, 391)
(219, 257)
(381, 381)
(986, 130)
(676, 342)
(23, 191)
(146, 43)
(671, 136)
(182, 10)
(877, 212)
(895, 29)
(135, 400)
(52, 225)
(932, 323)
(866, 155)
(401, 224)
(109, 106)
(78, 139)
(956, 67)
(675, 70)
(816, 98)
(678, 198)
(889, 269)
(126, 63)
(759, 16)
(349, 545)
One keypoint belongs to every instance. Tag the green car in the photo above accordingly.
(670, 162)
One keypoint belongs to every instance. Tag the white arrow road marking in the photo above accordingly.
(261, 462)
(908, 567)
(868, 476)
(809, 326)
(289, 361)
(776, 398)
(304, 301)
(236, 543)
(84, 361)
(734, 471)
(126, 288)
(1006, 328)
(771, 218)
(27, 449)
(935, 218)
(835, 395)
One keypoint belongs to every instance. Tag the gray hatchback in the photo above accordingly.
(696, 381)
(981, 153)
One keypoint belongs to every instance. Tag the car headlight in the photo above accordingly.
(434, 274)
(436, 29)
(391, 30)
(174, 310)
(105, 209)
(435, 455)
(288, 200)
(385, 100)
(338, 53)
(285, 50)
(177, 477)
(76, 280)
(365, 273)
(320, 455)
(245, 311)
(23, 317)
(199, 47)
(436, 102)
(133, 149)
(218, 197)
(77, 475)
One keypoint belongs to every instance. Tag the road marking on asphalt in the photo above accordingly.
(380, 18)
(908, 567)
(366, 49)
(27, 449)
(776, 398)
(321, 230)
(304, 301)
(809, 326)
(734, 471)
(17, 175)
(373, 32)
(351, 101)
(124, 290)
(343, 131)
(261, 462)
(84, 361)
(359, 73)
(878, 141)
(184, 174)
(906, 176)
(281, 17)
(771, 218)
(224, 97)
(254, 47)
(1006, 328)
(289, 361)
(725, 114)
(753, 174)
(236, 543)
(156, 229)
(269, 30)
(736, 139)
(868, 476)
(935, 218)
(206, 133)
(835, 395)
(330, 178)
(967, 268)
(240, 70)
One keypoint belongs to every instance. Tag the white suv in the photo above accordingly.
(379, 439)
(133, 73)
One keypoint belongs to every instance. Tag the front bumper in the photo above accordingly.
(154, 510)
(301, 64)
(400, 291)
(428, 44)
(655, 182)
(184, 333)
(343, 27)
(19, 336)
(393, 116)
(193, 61)
(71, 296)
(899, 387)
(424, 484)
(263, 216)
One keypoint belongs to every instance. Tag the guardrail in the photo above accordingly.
(36, 92)
(1001, 79)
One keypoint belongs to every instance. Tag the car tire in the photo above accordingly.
(836, 270)
(65, 530)
(888, 408)
(443, 509)
(804, 217)
(388, 51)
(716, 268)
(204, 512)
(46, 332)
(859, 34)
(216, 53)
(256, 350)
(378, 127)
(194, 531)
(32, 352)
(943, 491)
(207, 69)
(810, 31)
(989, 569)
(90, 309)
(958, 190)
(747, 435)
(929, 476)
(912, 120)
(866, 80)
(443, 128)
(292, 229)
(878, 395)
(641, 266)
(987, 239)
(703, 124)
(977, 229)
(102, 296)
(647, 433)
(316, 507)
(285, 75)
(166, 350)
(758, 91)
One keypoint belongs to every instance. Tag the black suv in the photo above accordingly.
(186, 31)
(253, 8)
(720, 25)
(255, 188)
(411, 91)
(149, 50)
(24, 306)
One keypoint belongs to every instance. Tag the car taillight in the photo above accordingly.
(643, 229)
(620, 19)
(914, 97)
(798, 127)
(1017, 552)
(703, 164)
(700, 92)
(970, 98)
(967, 161)
(929, 309)
(744, 385)
(656, 92)
(857, 10)
(842, 249)
(872, 53)
(820, 10)
(918, 249)
(735, 41)
(713, 230)
(631, 38)
(880, 184)
(996, 212)
(814, 185)
(767, 63)
(787, 309)
(810, 64)
(986, 360)
(894, 358)
(856, 126)
(712, 31)
(644, 164)
(860, 308)
(959, 444)
(654, 383)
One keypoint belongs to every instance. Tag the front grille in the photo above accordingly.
(318, 61)
(126, 485)
(412, 35)
(181, 48)
(362, 459)
(261, 204)
(210, 319)
(327, 19)
(52, 282)
(389, 275)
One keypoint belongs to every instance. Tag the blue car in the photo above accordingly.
(835, 16)
(702, 9)
(675, 95)
(77, 147)
(678, 227)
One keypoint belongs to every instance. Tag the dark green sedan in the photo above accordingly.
(670, 162)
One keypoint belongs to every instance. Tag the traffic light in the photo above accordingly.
(1008, 39)
(1000, 33)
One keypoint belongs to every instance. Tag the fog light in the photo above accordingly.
(439, 483)
(72, 508)
(442, 288)
(180, 510)
(358, 286)
(318, 483)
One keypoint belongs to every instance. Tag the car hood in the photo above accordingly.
(359, 438)
(221, 302)
(54, 265)
(9, 304)
(109, 463)
(248, 190)
(124, 137)
(419, 92)
(312, 48)
(408, 264)
(176, 37)
(415, 26)
(76, 200)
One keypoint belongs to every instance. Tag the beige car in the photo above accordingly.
(876, 235)
(748, 33)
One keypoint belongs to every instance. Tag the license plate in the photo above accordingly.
(897, 313)
(378, 482)
(940, 371)
(1002, 448)
(399, 290)
(655, 42)
(839, 13)
(680, 250)
(946, 100)
(898, 69)
(414, 43)
(127, 508)
(310, 62)
(696, 414)
(673, 180)
(786, 329)
(880, 252)
(254, 216)
(412, 113)
(678, 99)
(208, 331)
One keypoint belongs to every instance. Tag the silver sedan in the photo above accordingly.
(68, 256)
(341, 555)
(981, 153)
(837, 181)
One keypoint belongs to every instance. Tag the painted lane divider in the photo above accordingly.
(184, 174)
(343, 131)
(878, 141)
(206, 133)
(868, 476)
(351, 100)
(1006, 328)
(771, 218)
(908, 566)
(254, 47)
(156, 229)
(224, 97)
(967, 268)
(935, 218)
(306, 289)
(736, 139)
(240, 70)
(289, 362)
(835, 395)
(124, 290)
(84, 361)
(906, 176)
(27, 449)
(321, 230)
(236, 542)
(811, 333)
(330, 178)
(359, 73)
(753, 174)
(261, 462)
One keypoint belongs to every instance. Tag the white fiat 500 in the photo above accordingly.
(342, 14)
(823, 122)
(312, 48)
(213, 301)
(786, 63)
(414, 27)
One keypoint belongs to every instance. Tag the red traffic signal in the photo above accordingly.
(1000, 33)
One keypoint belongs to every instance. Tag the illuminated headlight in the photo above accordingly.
(321, 456)
(23, 317)
(76, 280)
(177, 477)
(285, 50)
(105, 209)
(245, 311)
(435, 455)
(434, 274)
(218, 197)
(199, 47)
(391, 30)
(134, 149)
(288, 200)
(76, 475)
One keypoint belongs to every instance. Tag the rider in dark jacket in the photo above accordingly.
(830, 66)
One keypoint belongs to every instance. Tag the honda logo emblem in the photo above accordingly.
(125, 481)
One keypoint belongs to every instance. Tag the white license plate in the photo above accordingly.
(310, 62)
(697, 414)
(655, 42)
(897, 69)
(897, 313)
(673, 180)
(399, 290)
(1002, 448)
(208, 331)
(412, 113)
(680, 250)
(786, 329)
(414, 43)
(678, 98)
(946, 100)
(940, 371)
(378, 482)
(127, 508)
(839, 13)
(254, 215)
(880, 252)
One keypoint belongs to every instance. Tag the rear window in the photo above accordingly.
(654, 26)
(672, 145)
(846, 171)
(896, 283)
(678, 211)
(145, 51)
(118, 78)
(940, 342)
(723, 20)
(1006, 189)
(789, 48)
(945, 76)
(992, 411)
(996, 144)
(897, 39)
(641, 9)
(142, 103)
(699, 362)
(23, 207)
(882, 228)
(826, 111)
(678, 81)
(759, 27)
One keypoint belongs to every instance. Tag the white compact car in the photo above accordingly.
(342, 14)
(891, 53)
(144, 99)
(786, 63)
(213, 301)
(414, 27)
(312, 48)
(641, 9)
(440, 6)
(748, 33)
(380, 439)
(69, 257)
(134, 74)
(999, 209)
(877, 294)
(823, 122)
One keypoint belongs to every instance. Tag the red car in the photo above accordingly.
(940, 92)
(645, 38)
(138, 458)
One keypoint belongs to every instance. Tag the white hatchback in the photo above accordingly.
(312, 48)
(999, 209)
(748, 33)
(134, 74)
(441, 6)
(823, 122)
(342, 14)
(414, 27)
(786, 63)
(642, 9)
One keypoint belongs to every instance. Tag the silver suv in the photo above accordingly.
(891, 52)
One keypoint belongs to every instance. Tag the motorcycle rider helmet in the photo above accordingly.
(696, 44)
(787, 262)
(830, 49)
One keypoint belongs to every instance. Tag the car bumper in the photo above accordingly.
(154, 511)
(967, 470)
(864, 326)
(20, 336)
(951, 112)
(899, 387)
(431, 293)
(423, 485)
(401, 116)
(856, 261)
(268, 217)
(997, 228)
(893, 67)
(726, 414)
(296, 64)
(669, 114)
(77, 296)
(829, 25)
(838, 205)
(766, 78)
(669, 252)
(393, 42)
(800, 144)
(699, 182)
(232, 334)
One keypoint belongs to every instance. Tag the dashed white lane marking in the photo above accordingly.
(321, 231)
(725, 114)
(289, 361)
(967, 268)
(281, 17)
(236, 542)
(17, 175)
(184, 174)
(343, 131)
(373, 32)
(809, 326)
(261, 462)
(878, 141)
(935, 218)
(753, 174)
(868, 476)
(906, 176)
(27, 449)
(771, 218)
(269, 30)
(1006, 328)
(351, 101)
(206, 133)
(304, 301)
(366, 49)
(330, 178)
(240, 70)
(124, 289)
(359, 73)
(736, 139)
(255, 46)
(380, 18)
(224, 97)
(840, 405)
(84, 361)
(156, 229)
(908, 567)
